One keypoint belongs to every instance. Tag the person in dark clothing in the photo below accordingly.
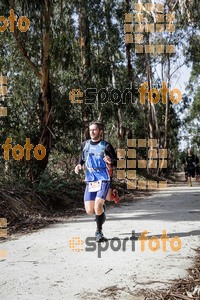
(186, 173)
(96, 153)
(191, 161)
(197, 172)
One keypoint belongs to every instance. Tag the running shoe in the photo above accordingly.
(99, 236)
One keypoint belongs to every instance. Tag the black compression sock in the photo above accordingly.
(100, 220)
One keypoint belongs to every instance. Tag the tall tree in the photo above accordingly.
(41, 70)
(85, 59)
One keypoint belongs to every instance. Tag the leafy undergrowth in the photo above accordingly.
(185, 289)
(29, 207)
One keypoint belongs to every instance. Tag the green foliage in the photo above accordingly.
(108, 56)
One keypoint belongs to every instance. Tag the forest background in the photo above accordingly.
(79, 45)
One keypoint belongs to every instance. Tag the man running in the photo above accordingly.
(197, 172)
(95, 154)
(191, 163)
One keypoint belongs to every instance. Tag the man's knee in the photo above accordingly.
(89, 207)
(99, 206)
(89, 211)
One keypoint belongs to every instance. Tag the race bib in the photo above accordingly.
(95, 186)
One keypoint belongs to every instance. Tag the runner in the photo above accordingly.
(191, 162)
(186, 173)
(197, 172)
(95, 154)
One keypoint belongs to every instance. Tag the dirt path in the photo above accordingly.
(41, 265)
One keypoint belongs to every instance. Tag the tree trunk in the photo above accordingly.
(128, 47)
(111, 63)
(119, 127)
(85, 61)
(45, 95)
(150, 121)
(167, 109)
(43, 77)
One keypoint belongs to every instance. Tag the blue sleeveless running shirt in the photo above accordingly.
(96, 168)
